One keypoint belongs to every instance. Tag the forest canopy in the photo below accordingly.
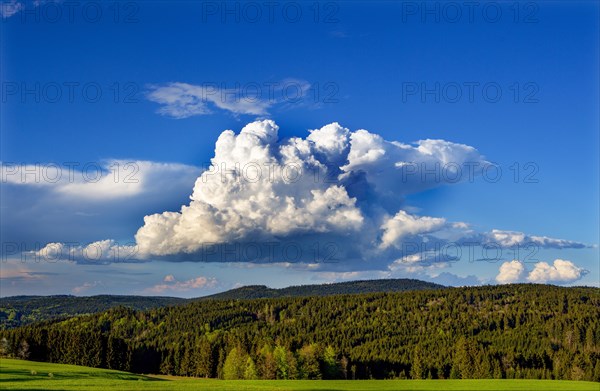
(510, 331)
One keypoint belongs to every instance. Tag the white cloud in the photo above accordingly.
(396, 169)
(257, 190)
(421, 262)
(331, 140)
(417, 262)
(511, 272)
(403, 224)
(183, 100)
(103, 251)
(428, 266)
(10, 8)
(560, 272)
(110, 179)
(170, 284)
(514, 238)
(75, 209)
(507, 238)
(19, 273)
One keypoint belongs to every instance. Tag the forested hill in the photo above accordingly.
(509, 331)
(22, 310)
(340, 288)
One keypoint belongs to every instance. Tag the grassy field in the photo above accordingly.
(28, 375)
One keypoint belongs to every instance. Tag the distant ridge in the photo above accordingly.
(21, 310)
(339, 288)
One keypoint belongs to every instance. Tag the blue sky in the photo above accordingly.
(518, 83)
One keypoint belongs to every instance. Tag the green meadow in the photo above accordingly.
(29, 375)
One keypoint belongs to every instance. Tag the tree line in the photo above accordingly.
(18, 311)
(514, 331)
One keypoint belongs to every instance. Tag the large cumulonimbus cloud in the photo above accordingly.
(334, 182)
(333, 200)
